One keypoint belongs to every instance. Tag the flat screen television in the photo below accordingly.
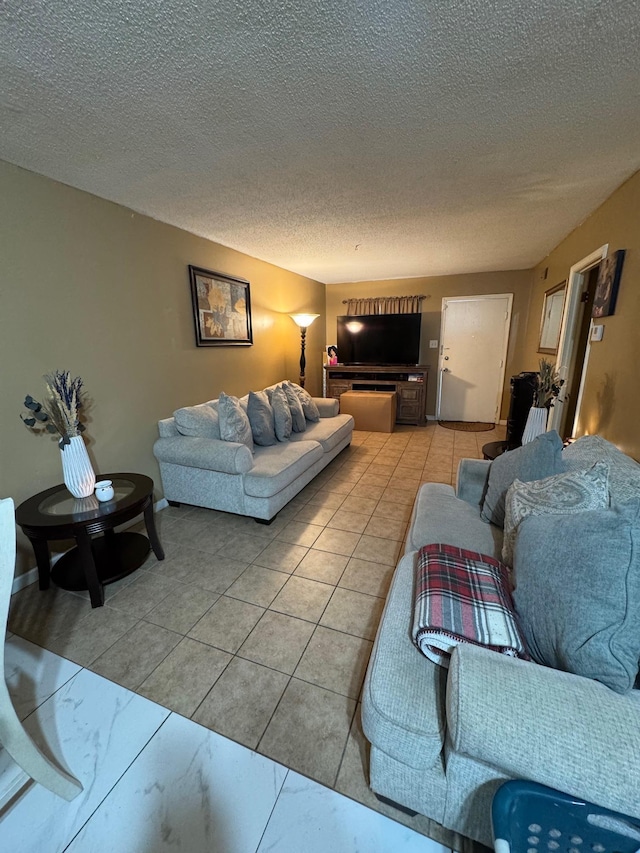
(379, 339)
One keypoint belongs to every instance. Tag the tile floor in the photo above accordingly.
(156, 781)
(262, 633)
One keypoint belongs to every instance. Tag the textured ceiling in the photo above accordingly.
(341, 140)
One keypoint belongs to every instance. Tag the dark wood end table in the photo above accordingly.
(55, 514)
(494, 449)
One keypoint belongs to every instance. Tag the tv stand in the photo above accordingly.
(409, 383)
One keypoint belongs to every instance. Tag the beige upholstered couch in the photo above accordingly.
(226, 475)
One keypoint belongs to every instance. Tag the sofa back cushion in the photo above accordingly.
(234, 423)
(260, 416)
(540, 458)
(577, 592)
(562, 494)
(624, 473)
(198, 421)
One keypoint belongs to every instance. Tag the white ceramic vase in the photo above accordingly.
(79, 477)
(536, 424)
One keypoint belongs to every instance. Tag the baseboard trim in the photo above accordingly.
(31, 576)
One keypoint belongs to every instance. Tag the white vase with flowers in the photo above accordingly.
(60, 415)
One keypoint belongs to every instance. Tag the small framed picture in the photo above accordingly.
(604, 303)
(332, 354)
(221, 309)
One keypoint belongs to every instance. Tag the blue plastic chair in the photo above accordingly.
(530, 818)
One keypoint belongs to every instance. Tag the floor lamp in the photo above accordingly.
(304, 321)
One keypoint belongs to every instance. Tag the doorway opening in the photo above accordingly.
(575, 342)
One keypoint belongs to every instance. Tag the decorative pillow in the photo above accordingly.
(260, 416)
(234, 423)
(297, 415)
(309, 408)
(198, 421)
(281, 413)
(624, 473)
(563, 494)
(540, 458)
(578, 592)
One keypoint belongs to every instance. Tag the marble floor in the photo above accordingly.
(154, 780)
(261, 634)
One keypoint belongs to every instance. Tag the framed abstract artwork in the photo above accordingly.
(221, 309)
(604, 303)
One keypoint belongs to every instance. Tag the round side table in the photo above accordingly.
(494, 449)
(55, 514)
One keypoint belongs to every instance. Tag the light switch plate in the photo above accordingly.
(597, 332)
(433, 344)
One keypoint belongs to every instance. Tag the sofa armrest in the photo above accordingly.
(472, 480)
(327, 406)
(555, 728)
(212, 454)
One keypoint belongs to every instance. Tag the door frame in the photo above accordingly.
(503, 361)
(568, 336)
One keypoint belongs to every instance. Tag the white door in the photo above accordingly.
(473, 351)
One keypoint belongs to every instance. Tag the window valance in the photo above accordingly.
(385, 305)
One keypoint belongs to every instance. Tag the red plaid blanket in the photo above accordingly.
(463, 597)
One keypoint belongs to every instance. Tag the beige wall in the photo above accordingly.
(89, 286)
(517, 282)
(611, 403)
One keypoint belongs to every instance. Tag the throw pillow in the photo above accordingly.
(578, 592)
(562, 494)
(624, 473)
(309, 408)
(260, 416)
(299, 422)
(234, 423)
(281, 414)
(198, 421)
(540, 458)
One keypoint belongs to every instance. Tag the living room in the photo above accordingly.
(104, 292)
(96, 287)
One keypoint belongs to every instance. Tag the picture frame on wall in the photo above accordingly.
(604, 302)
(221, 309)
(552, 313)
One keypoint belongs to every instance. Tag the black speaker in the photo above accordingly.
(523, 387)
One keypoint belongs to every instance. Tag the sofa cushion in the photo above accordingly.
(198, 421)
(310, 409)
(260, 416)
(234, 423)
(624, 473)
(281, 412)
(276, 467)
(440, 517)
(404, 709)
(562, 494)
(328, 431)
(578, 592)
(299, 422)
(540, 458)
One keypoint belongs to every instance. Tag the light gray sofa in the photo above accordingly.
(227, 476)
(442, 741)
